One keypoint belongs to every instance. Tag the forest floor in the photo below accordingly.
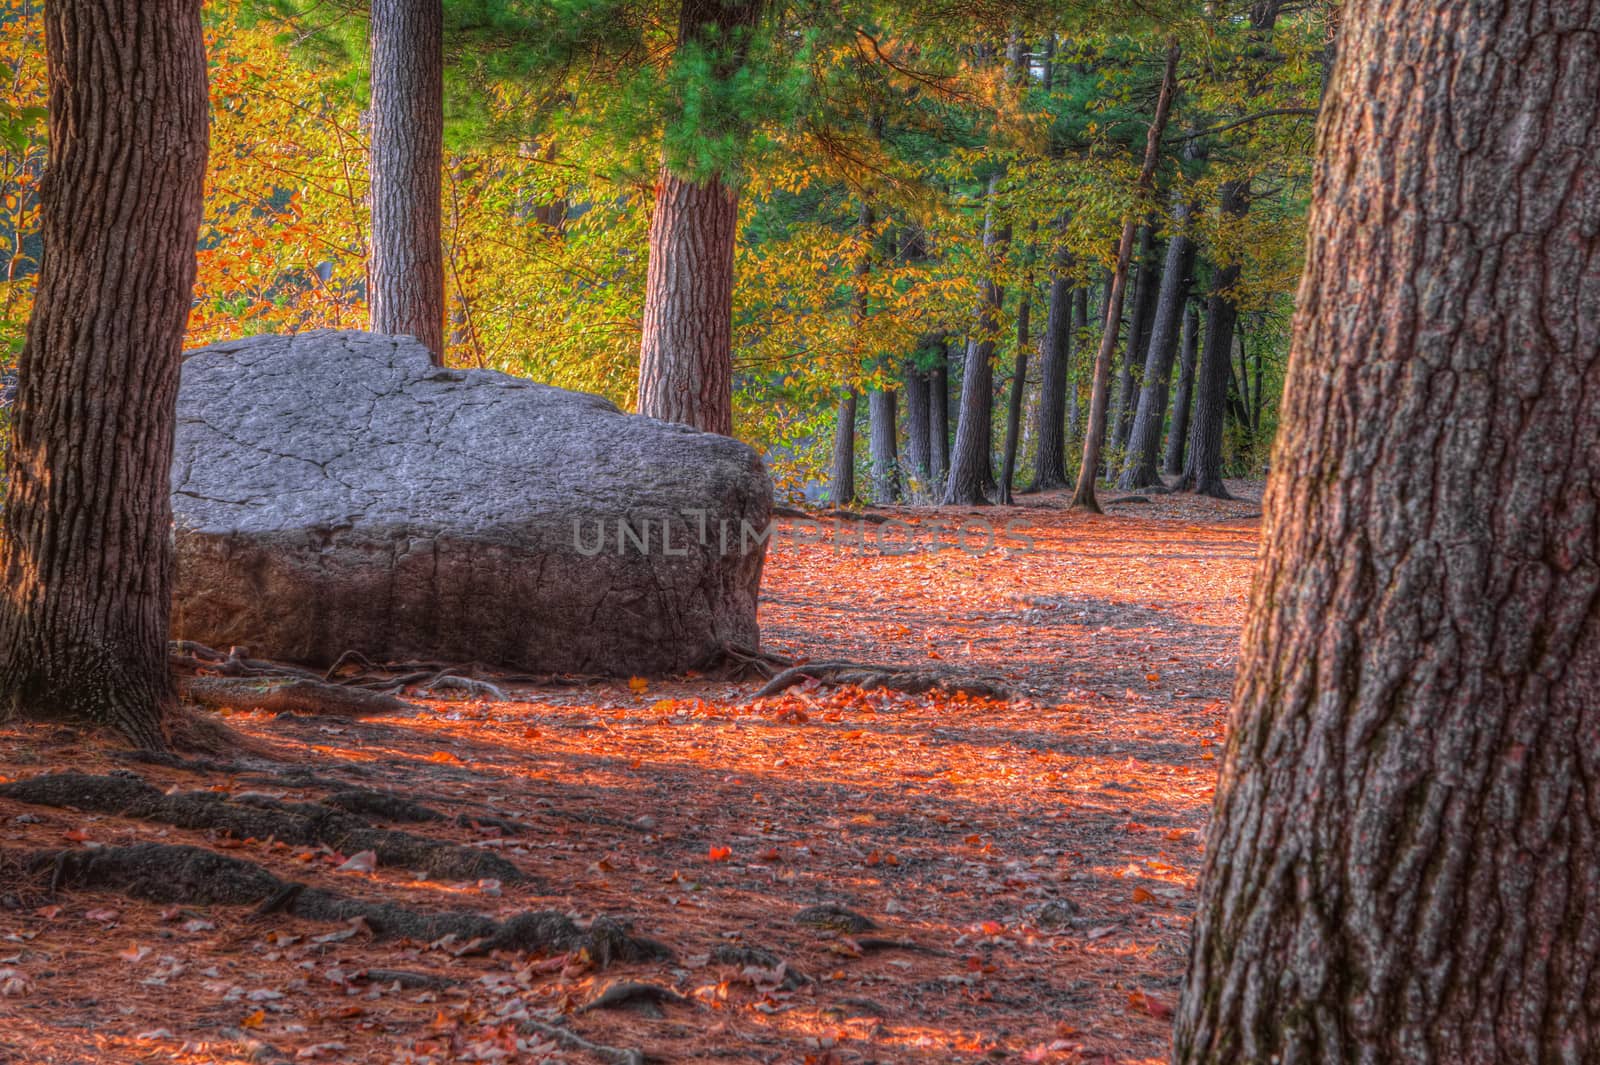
(1028, 866)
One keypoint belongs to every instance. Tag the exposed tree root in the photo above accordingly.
(304, 824)
(835, 513)
(572, 1040)
(165, 873)
(831, 917)
(291, 696)
(892, 678)
(743, 663)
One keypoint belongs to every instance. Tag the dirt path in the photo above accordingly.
(1028, 865)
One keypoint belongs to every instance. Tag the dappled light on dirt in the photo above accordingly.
(840, 875)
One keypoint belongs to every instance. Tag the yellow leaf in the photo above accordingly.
(638, 684)
(255, 1020)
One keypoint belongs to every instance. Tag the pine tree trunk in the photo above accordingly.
(407, 161)
(1095, 438)
(918, 452)
(686, 357)
(686, 347)
(1202, 471)
(1080, 326)
(1019, 384)
(939, 418)
(1050, 447)
(1404, 861)
(1144, 440)
(881, 414)
(842, 483)
(87, 550)
(1178, 434)
(1146, 283)
(970, 468)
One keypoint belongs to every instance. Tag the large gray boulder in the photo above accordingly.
(333, 492)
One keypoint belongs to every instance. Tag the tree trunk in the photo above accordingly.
(1094, 439)
(1146, 284)
(87, 550)
(686, 357)
(1144, 440)
(1202, 473)
(1080, 326)
(881, 413)
(939, 418)
(918, 452)
(1404, 860)
(970, 461)
(407, 160)
(1050, 446)
(686, 348)
(1178, 434)
(1019, 383)
(842, 483)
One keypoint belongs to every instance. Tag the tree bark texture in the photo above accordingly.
(87, 550)
(407, 161)
(686, 356)
(686, 347)
(1202, 471)
(1050, 444)
(883, 444)
(939, 417)
(1019, 384)
(1404, 859)
(970, 468)
(918, 453)
(1143, 452)
(1146, 283)
(842, 483)
(1080, 327)
(1095, 437)
(1178, 433)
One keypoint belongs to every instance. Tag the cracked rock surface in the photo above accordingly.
(334, 491)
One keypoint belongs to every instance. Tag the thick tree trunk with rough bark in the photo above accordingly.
(1178, 434)
(1404, 861)
(1143, 453)
(87, 550)
(686, 348)
(939, 418)
(1050, 445)
(842, 482)
(918, 454)
(686, 357)
(970, 469)
(883, 446)
(1095, 437)
(407, 161)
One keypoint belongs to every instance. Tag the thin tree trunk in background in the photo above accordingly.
(939, 418)
(1050, 447)
(87, 551)
(842, 482)
(686, 348)
(1178, 434)
(407, 160)
(1019, 382)
(1202, 471)
(882, 444)
(1403, 864)
(1139, 467)
(1080, 326)
(1145, 285)
(918, 452)
(1094, 439)
(970, 459)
